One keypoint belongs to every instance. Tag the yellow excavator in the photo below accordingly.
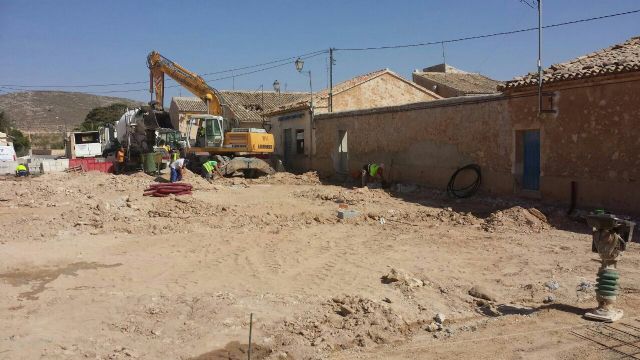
(212, 135)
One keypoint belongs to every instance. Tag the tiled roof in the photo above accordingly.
(190, 104)
(320, 98)
(619, 58)
(461, 82)
(248, 106)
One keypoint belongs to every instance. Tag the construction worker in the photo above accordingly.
(175, 154)
(208, 168)
(200, 137)
(177, 168)
(372, 172)
(21, 170)
(119, 164)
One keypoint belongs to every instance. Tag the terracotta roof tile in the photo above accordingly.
(619, 58)
(247, 106)
(465, 83)
(189, 104)
(321, 98)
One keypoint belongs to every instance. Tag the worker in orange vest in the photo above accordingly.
(119, 165)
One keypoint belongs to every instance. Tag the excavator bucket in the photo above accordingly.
(251, 167)
(157, 119)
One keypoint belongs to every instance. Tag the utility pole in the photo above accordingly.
(331, 61)
(539, 57)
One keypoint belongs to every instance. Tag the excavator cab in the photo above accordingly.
(210, 131)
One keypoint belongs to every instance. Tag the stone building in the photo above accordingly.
(291, 122)
(447, 81)
(246, 108)
(585, 141)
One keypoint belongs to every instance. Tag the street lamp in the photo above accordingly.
(299, 65)
(276, 86)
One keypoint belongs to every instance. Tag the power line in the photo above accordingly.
(313, 53)
(488, 35)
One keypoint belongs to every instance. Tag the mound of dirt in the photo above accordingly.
(346, 322)
(357, 196)
(518, 219)
(285, 178)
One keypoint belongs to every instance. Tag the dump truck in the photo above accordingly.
(212, 135)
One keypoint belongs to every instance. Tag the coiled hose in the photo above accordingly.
(166, 189)
(466, 191)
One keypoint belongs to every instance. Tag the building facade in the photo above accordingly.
(291, 124)
(585, 141)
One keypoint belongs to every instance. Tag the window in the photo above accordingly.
(87, 138)
(299, 141)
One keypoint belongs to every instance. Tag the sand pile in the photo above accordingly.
(516, 218)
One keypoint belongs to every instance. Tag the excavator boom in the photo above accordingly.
(240, 148)
(160, 65)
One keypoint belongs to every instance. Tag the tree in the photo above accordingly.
(21, 143)
(102, 115)
(5, 123)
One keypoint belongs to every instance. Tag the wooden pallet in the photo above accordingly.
(75, 169)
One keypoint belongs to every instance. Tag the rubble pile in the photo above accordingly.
(346, 322)
(518, 219)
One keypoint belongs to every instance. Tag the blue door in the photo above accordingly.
(531, 173)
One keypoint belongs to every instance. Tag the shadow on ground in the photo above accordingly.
(235, 351)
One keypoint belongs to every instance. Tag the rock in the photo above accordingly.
(480, 292)
(348, 214)
(552, 285)
(537, 213)
(345, 310)
(414, 282)
(103, 206)
(440, 318)
(549, 299)
(433, 327)
(399, 275)
(584, 286)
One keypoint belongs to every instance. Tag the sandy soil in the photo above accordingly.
(92, 269)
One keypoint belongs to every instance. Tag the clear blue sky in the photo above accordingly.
(88, 41)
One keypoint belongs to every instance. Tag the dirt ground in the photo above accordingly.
(90, 268)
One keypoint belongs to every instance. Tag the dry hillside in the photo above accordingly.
(36, 111)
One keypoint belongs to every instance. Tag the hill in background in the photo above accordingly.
(52, 111)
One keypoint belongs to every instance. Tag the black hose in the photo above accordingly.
(466, 191)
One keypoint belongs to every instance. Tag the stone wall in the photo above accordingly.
(591, 138)
(384, 90)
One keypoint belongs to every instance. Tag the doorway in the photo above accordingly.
(287, 147)
(531, 160)
(343, 153)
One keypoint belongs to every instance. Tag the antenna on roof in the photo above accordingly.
(444, 58)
